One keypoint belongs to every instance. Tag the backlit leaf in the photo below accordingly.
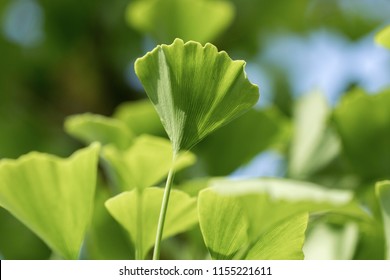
(91, 127)
(227, 223)
(223, 224)
(52, 196)
(263, 209)
(195, 89)
(165, 20)
(142, 225)
(283, 242)
(145, 163)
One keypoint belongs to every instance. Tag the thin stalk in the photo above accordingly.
(163, 211)
(139, 254)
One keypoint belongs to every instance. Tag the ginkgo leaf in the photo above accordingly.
(91, 127)
(52, 196)
(383, 37)
(195, 89)
(383, 195)
(223, 224)
(165, 20)
(142, 225)
(227, 221)
(145, 163)
(263, 210)
(283, 242)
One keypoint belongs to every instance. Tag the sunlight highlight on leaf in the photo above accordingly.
(52, 196)
(195, 89)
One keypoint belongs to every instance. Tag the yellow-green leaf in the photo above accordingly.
(89, 128)
(145, 163)
(52, 196)
(138, 213)
(195, 89)
(383, 37)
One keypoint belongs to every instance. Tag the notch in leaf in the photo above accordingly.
(195, 89)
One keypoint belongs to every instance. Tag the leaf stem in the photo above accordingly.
(163, 211)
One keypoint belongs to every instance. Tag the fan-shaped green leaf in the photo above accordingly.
(195, 89)
(52, 196)
(264, 209)
(383, 37)
(142, 225)
(383, 194)
(228, 222)
(91, 127)
(145, 163)
(165, 20)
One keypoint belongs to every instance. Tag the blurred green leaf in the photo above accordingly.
(228, 221)
(264, 205)
(314, 144)
(145, 163)
(52, 196)
(383, 37)
(191, 108)
(383, 194)
(165, 20)
(141, 117)
(142, 225)
(242, 139)
(91, 127)
(363, 122)
(329, 242)
(194, 186)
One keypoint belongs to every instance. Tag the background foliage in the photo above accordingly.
(322, 117)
